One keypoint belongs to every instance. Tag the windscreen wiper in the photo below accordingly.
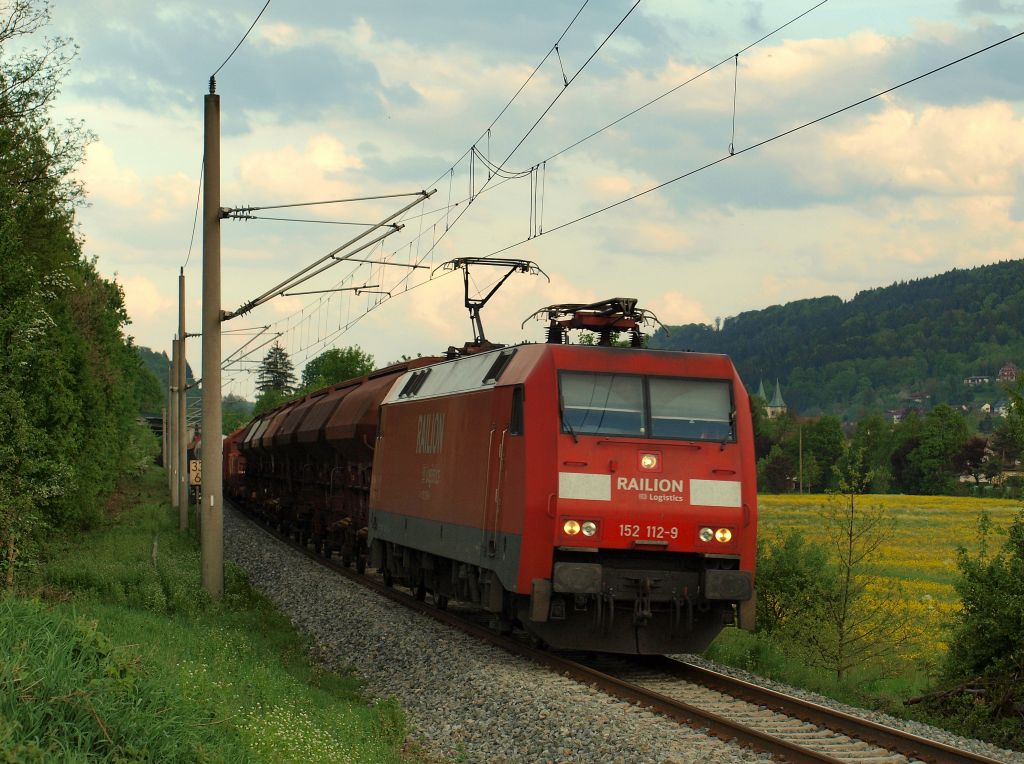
(565, 422)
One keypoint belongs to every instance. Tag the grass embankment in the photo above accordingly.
(122, 656)
(919, 554)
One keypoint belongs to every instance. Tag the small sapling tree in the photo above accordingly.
(859, 617)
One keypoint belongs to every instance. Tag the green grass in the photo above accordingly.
(869, 686)
(118, 657)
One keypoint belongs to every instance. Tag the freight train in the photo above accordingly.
(598, 497)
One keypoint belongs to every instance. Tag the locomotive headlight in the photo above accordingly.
(589, 528)
(649, 461)
(571, 527)
(723, 535)
(705, 534)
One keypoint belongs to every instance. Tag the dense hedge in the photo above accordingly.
(70, 379)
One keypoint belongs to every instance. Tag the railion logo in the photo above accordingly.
(651, 485)
(429, 433)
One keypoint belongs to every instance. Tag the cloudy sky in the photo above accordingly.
(331, 100)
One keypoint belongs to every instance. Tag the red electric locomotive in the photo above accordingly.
(599, 497)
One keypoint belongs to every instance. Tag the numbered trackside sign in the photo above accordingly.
(195, 471)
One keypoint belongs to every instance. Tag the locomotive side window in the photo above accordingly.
(693, 409)
(515, 426)
(602, 404)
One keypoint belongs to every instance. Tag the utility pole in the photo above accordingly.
(163, 439)
(172, 462)
(182, 455)
(169, 423)
(212, 512)
(800, 432)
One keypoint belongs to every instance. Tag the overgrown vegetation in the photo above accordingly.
(937, 633)
(70, 381)
(122, 656)
(983, 688)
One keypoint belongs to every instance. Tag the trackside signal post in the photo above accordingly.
(211, 516)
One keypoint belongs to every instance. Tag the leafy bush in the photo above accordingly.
(792, 575)
(985, 666)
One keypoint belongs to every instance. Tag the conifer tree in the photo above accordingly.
(276, 372)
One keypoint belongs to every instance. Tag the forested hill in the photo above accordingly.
(160, 365)
(880, 348)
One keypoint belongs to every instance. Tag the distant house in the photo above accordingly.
(1009, 372)
(986, 408)
(1002, 408)
(898, 415)
(919, 398)
(975, 381)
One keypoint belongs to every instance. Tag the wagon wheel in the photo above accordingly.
(420, 592)
(440, 601)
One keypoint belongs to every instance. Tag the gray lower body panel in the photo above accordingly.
(491, 551)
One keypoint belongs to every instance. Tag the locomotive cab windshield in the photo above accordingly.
(640, 406)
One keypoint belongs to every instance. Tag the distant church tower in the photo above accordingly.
(776, 406)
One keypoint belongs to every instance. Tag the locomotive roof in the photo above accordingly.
(511, 365)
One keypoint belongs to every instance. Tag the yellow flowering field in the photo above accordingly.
(921, 550)
(920, 553)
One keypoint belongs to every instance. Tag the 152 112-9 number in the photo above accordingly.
(628, 530)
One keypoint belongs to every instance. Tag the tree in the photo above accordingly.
(973, 458)
(235, 412)
(1008, 435)
(824, 441)
(276, 372)
(775, 472)
(266, 401)
(933, 462)
(71, 378)
(874, 437)
(793, 576)
(985, 663)
(336, 365)
(848, 628)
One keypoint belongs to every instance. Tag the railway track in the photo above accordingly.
(788, 728)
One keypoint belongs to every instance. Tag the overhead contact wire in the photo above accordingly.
(242, 40)
(766, 141)
(681, 85)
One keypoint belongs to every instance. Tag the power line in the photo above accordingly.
(487, 132)
(764, 142)
(681, 85)
(250, 208)
(242, 40)
(195, 217)
(572, 79)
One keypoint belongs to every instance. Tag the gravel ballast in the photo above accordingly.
(468, 701)
(465, 700)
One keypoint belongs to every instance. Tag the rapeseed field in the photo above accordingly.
(919, 555)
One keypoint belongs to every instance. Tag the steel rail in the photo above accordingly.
(693, 716)
(910, 745)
